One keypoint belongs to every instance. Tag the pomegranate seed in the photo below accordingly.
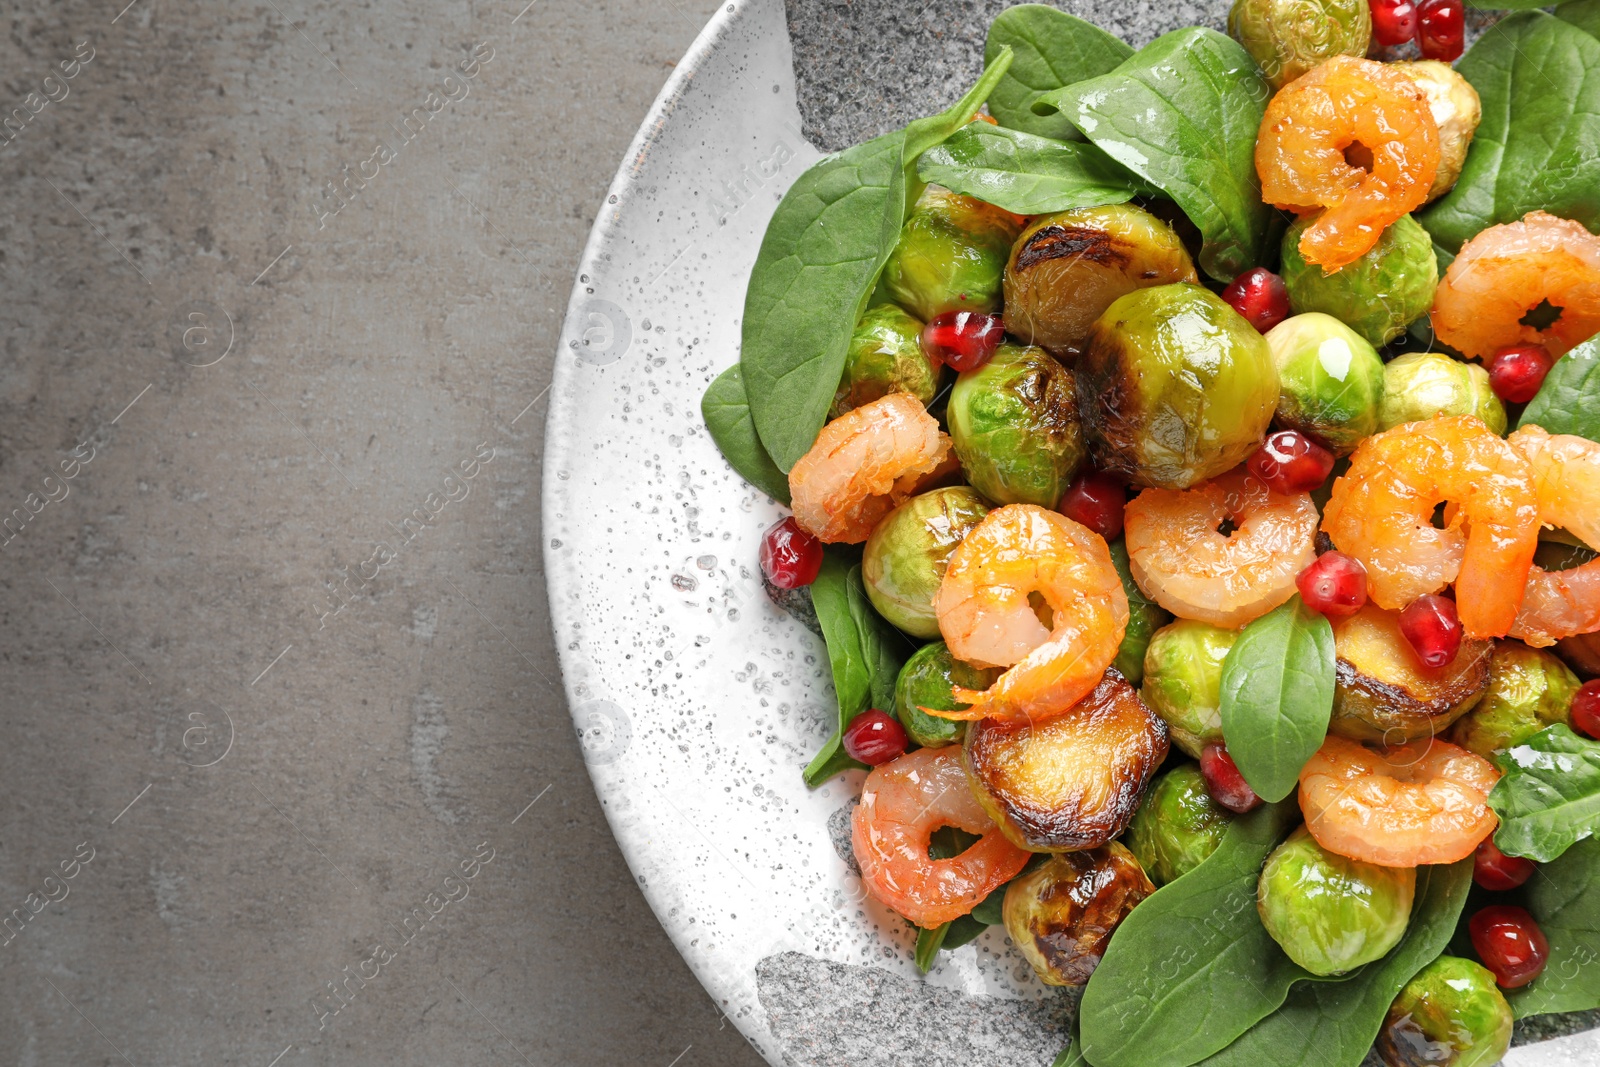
(964, 340)
(1441, 29)
(1493, 869)
(1586, 709)
(1509, 943)
(790, 557)
(1224, 782)
(1096, 500)
(1393, 22)
(1335, 585)
(1260, 296)
(1432, 627)
(1515, 373)
(873, 738)
(1291, 462)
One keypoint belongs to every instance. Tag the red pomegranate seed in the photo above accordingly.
(1515, 373)
(965, 340)
(1224, 782)
(1510, 944)
(1335, 585)
(1393, 22)
(1441, 29)
(1493, 869)
(790, 557)
(873, 738)
(1260, 296)
(1096, 500)
(1291, 462)
(1433, 628)
(1586, 709)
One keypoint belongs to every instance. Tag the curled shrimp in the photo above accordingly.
(1347, 103)
(903, 802)
(1566, 476)
(863, 464)
(1180, 560)
(1505, 272)
(1381, 512)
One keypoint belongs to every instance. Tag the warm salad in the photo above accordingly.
(1194, 457)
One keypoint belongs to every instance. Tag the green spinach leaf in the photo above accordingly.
(1183, 114)
(1025, 174)
(1569, 399)
(1536, 148)
(1072, 1055)
(1548, 796)
(1053, 49)
(929, 942)
(727, 415)
(1564, 897)
(1584, 14)
(1277, 696)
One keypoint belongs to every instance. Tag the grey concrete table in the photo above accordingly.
(285, 774)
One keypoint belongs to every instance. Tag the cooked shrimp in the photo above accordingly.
(1182, 562)
(903, 802)
(863, 464)
(1508, 270)
(987, 618)
(1381, 513)
(1566, 475)
(1423, 802)
(1347, 103)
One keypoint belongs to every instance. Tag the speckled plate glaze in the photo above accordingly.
(697, 700)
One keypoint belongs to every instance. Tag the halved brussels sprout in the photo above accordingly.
(1528, 690)
(1331, 380)
(1072, 782)
(1145, 617)
(1014, 426)
(1456, 110)
(886, 357)
(1183, 681)
(1061, 914)
(1329, 913)
(1423, 385)
(1450, 1015)
(927, 681)
(1384, 694)
(907, 553)
(1177, 825)
(1378, 294)
(1067, 268)
(951, 255)
(1289, 37)
(1176, 387)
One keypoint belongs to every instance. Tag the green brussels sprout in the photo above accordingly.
(1067, 268)
(1379, 294)
(1177, 387)
(886, 356)
(1529, 689)
(1422, 385)
(1456, 110)
(1062, 913)
(1177, 825)
(927, 681)
(1331, 380)
(1014, 425)
(950, 257)
(1329, 913)
(1183, 681)
(1289, 37)
(1450, 1015)
(905, 558)
(1145, 617)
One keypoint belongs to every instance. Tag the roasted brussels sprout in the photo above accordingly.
(906, 555)
(951, 255)
(1378, 294)
(886, 357)
(1329, 913)
(1014, 425)
(1422, 385)
(1067, 268)
(1456, 109)
(1072, 782)
(1289, 37)
(1528, 690)
(1176, 387)
(1177, 825)
(1382, 693)
(1331, 380)
(1062, 913)
(1450, 1015)
(1583, 653)
(1183, 681)
(1145, 617)
(927, 681)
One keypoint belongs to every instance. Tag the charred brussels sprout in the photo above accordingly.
(905, 557)
(1422, 385)
(1062, 913)
(1330, 914)
(1289, 37)
(1379, 294)
(1456, 109)
(1529, 689)
(1067, 268)
(1331, 380)
(885, 357)
(1177, 825)
(1145, 617)
(950, 257)
(1177, 387)
(1450, 1015)
(1014, 425)
(1382, 693)
(1183, 681)
(927, 681)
